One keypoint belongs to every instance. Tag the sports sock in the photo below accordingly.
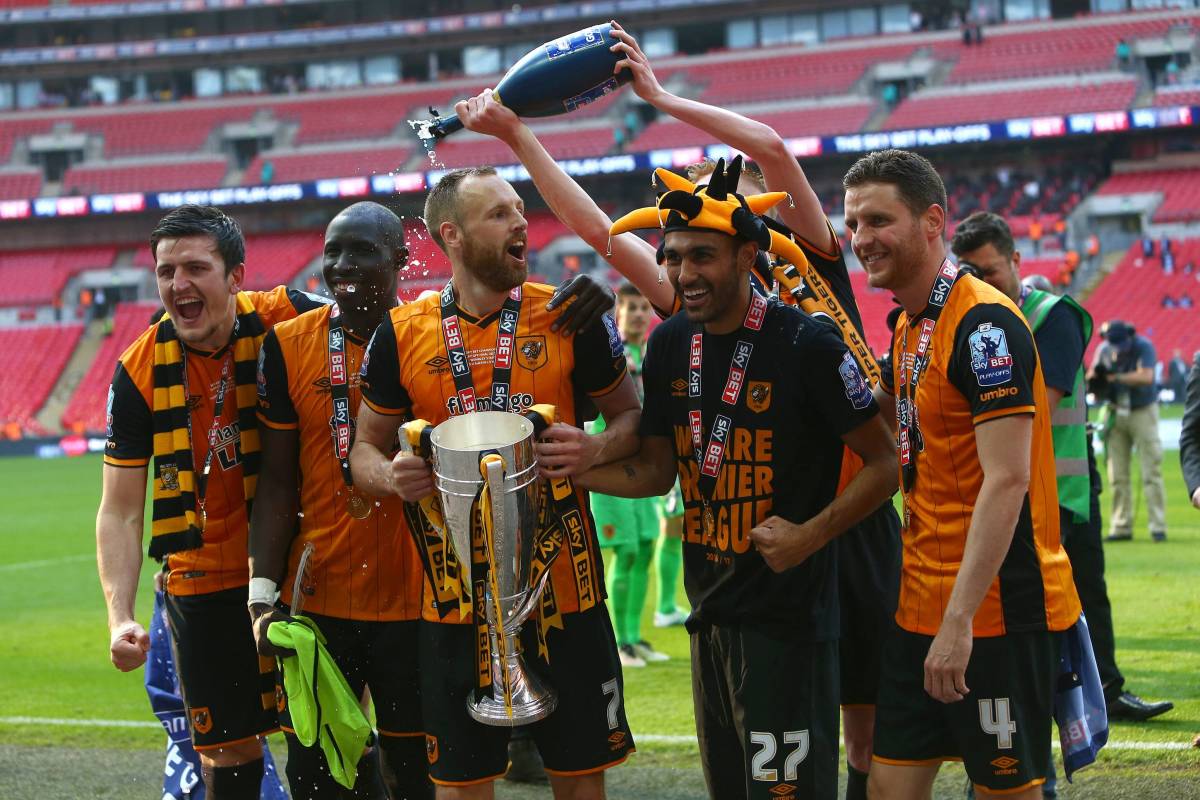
(243, 782)
(406, 767)
(618, 589)
(856, 783)
(670, 559)
(639, 581)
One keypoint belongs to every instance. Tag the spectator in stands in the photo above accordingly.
(1185, 300)
(266, 173)
(1165, 246)
(1168, 262)
(1167, 301)
(891, 94)
(1092, 247)
(1124, 54)
(1147, 246)
(1172, 72)
(1061, 329)
(1177, 375)
(1035, 236)
(1122, 376)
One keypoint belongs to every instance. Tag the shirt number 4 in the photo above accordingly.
(767, 748)
(995, 718)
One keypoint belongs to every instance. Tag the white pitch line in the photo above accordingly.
(45, 562)
(648, 738)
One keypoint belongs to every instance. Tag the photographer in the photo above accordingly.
(1122, 378)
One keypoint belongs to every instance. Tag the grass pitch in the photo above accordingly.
(59, 694)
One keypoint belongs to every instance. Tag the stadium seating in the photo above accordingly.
(20, 183)
(31, 361)
(311, 164)
(1180, 189)
(1021, 51)
(1178, 96)
(801, 120)
(873, 306)
(1136, 291)
(86, 409)
(277, 258)
(942, 107)
(573, 143)
(145, 176)
(36, 277)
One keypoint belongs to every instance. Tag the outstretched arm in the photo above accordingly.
(119, 558)
(632, 256)
(758, 141)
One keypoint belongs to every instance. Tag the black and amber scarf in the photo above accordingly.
(176, 523)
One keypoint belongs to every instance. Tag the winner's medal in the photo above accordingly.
(357, 504)
(708, 521)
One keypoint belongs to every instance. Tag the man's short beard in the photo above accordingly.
(492, 270)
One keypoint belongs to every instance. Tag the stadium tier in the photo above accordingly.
(37, 277)
(1180, 189)
(21, 183)
(1177, 96)
(86, 408)
(873, 307)
(954, 106)
(277, 258)
(801, 120)
(311, 164)
(562, 144)
(1141, 292)
(1028, 50)
(31, 360)
(144, 176)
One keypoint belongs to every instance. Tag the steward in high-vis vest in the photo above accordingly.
(1061, 329)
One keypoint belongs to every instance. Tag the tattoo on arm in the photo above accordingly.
(630, 472)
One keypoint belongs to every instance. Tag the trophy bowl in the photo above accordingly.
(494, 450)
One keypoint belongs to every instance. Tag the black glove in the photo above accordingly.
(1098, 384)
(592, 300)
(261, 617)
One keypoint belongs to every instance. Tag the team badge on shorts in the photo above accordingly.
(758, 396)
(169, 475)
(201, 720)
(531, 352)
(990, 360)
(431, 748)
(857, 390)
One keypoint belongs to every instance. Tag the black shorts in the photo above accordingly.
(1000, 730)
(868, 582)
(383, 656)
(228, 690)
(766, 714)
(587, 732)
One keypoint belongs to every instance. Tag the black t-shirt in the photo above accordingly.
(802, 391)
(1060, 346)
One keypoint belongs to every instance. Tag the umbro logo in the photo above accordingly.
(679, 386)
(438, 362)
(1004, 762)
(784, 791)
(321, 384)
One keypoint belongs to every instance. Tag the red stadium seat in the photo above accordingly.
(36, 277)
(1180, 189)
(145, 177)
(307, 165)
(86, 408)
(956, 108)
(31, 361)
(20, 184)
(806, 120)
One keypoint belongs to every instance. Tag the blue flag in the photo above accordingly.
(1079, 707)
(181, 775)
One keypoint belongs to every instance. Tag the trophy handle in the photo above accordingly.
(414, 440)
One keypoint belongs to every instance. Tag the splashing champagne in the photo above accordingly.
(555, 78)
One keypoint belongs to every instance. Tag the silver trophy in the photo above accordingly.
(487, 457)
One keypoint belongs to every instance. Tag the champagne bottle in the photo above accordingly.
(555, 78)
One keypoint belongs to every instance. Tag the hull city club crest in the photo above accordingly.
(758, 396)
(531, 352)
(990, 360)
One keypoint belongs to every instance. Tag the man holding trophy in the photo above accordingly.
(481, 363)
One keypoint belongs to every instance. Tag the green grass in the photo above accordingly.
(54, 641)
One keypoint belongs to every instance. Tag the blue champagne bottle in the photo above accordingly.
(555, 78)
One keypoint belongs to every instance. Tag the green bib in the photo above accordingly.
(1069, 420)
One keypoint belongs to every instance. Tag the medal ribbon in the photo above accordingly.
(456, 350)
(215, 427)
(909, 371)
(711, 457)
(339, 391)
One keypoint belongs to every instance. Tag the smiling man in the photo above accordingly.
(751, 403)
(363, 584)
(478, 219)
(182, 395)
(969, 668)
